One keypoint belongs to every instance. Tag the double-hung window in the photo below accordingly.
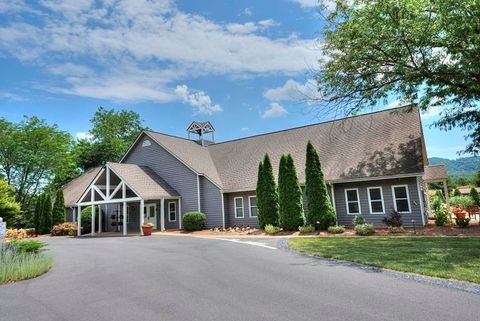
(238, 207)
(252, 203)
(401, 200)
(375, 200)
(172, 211)
(353, 201)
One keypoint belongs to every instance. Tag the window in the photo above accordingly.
(172, 211)
(353, 201)
(375, 200)
(252, 201)
(401, 200)
(238, 207)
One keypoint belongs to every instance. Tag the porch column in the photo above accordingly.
(100, 218)
(124, 196)
(447, 197)
(142, 215)
(180, 213)
(427, 199)
(79, 220)
(162, 214)
(93, 212)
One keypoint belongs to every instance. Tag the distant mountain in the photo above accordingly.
(459, 166)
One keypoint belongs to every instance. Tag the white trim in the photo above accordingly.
(223, 209)
(120, 200)
(91, 183)
(420, 198)
(124, 181)
(395, 198)
(124, 196)
(92, 217)
(358, 201)
(179, 213)
(150, 205)
(377, 178)
(99, 192)
(79, 220)
(162, 214)
(332, 191)
(235, 207)
(142, 215)
(250, 206)
(115, 191)
(198, 193)
(107, 188)
(370, 200)
(168, 207)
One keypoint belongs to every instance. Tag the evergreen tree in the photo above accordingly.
(289, 195)
(320, 208)
(456, 192)
(259, 194)
(474, 195)
(37, 216)
(46, 219)
(269, 194)
(58, 212)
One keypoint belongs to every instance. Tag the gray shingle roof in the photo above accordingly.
(435, 173)
(378, 144)
(144, 182)
(73, 190)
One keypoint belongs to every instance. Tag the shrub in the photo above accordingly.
(393, 219)
(267, 194)
(30, 232)
(289, 195)
(87, 219)
(358, 220)
(396, 229)
(306, 229)
(16, 234)
(464, 201)
(437, 203)
(26, 246)
(336, 229)
(456, 192)
(441, 215)
(271, 229)
(194, 221)
(364, 229)
(64, 229)
(462, 222)
(475, 196)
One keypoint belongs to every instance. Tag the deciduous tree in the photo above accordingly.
(9, 208)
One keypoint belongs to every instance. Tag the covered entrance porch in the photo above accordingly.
(123, 197)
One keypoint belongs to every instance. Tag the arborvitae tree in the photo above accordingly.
(320, 207)
(259, 193)
(289, 195)
(474, 195)
(456, 192)
(269, 194)
(37, 216)
(46, 219)
(58, 212)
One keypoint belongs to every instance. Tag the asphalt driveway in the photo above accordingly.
(184, 278)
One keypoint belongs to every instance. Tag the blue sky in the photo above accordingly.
(246, 66)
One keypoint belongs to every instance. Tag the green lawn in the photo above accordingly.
(444, 257)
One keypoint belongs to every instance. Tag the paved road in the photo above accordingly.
(183, 278)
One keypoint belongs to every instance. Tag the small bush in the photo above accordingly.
(437, 203)
(358, 220)
(393, 219)
(87, 219)
(271, 229)
(464, 201)
(64, 229)
(364, 229)
(26, 246)
(194, 221)
(441, 216)
(30, 232)
(396, 229)
(462, 222)
(16, 234)
(336, 229)
(306, 229)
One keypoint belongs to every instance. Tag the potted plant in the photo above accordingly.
(459, 212)
(147, 229)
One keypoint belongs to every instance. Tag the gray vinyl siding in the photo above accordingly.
(70, 214)
(174, 172)
(168, 225)
(230, 205)
(346, 219)
(211, 203)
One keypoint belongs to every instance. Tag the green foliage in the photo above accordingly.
(267, 195)
(112, 134)
(32, 152)
(456, 192)
(477, 179)
(441, 215)
(462, 222)
(289, 195)
(58, 211)
(26, 246)
(475, 196)
(436, 204)
(336, 229)
(465, 201)
(272, 229)
(46, 218)
(9, 208)
(396, 229)
(320, 207)
(415, 51)
(364, 229)
(87, 219)
(38, 213)
(194, 221)
(306, 229)
(358, 220)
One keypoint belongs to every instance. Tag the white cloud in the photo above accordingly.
(83, 135)
(198, 99)
(124, 40)
(293, 90)
(11, 96)
(329, 5)
(275, 110)
(244, 129)
(247, 12)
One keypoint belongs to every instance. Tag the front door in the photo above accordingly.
(150, 215)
